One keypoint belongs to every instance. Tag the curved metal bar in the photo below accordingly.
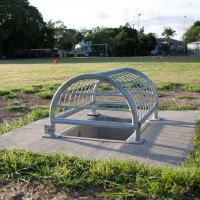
(98, 77)
(139, 96)
(150, 83)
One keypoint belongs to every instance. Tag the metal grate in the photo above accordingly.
(121, 90)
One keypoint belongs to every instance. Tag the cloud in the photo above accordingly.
(102, 15)
(109, 13)
(157, 23)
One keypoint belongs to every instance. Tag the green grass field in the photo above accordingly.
(22, 73)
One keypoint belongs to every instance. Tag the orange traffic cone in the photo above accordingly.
(56, 61)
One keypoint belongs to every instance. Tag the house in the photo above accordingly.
(83, 49)
(194, 48)
(175, 46)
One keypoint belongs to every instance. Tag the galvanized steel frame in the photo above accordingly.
(140, 112)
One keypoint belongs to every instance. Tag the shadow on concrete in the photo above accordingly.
(167, 141)
(171, 146)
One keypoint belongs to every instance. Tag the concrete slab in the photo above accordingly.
(167, 142)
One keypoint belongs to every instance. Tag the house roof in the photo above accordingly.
(170, 40)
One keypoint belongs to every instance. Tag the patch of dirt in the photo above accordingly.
(179, 98)
(26, 100)
(44, 191)
(30, 100)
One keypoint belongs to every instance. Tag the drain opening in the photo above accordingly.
(101, 133)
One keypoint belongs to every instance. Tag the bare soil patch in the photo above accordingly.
(27, 101)
(179, 98)
(44, 191)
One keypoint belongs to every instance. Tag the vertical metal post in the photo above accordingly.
(155, 114)
(137, 133)
(183, 34)
(139, 22)
(50, 131)
(106, 50)
(94, 111)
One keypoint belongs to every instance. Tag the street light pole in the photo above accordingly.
(184, 24)
(139, 22)
(183, 34)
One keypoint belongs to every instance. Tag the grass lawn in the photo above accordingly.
(113, 179)
(22, 73)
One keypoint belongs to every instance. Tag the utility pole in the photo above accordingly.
(183, 34)
(139, 22)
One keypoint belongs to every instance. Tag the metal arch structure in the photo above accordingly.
(121, 90)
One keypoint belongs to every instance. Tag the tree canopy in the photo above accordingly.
(122, 41)
(193, 33)
(65, 39)
(101, 35)
(147, 42)
(22, 27)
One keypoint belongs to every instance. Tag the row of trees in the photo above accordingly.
(122, 41)
(22, 28)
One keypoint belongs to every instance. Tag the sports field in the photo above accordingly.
(27, 72)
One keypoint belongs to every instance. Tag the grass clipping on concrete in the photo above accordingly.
(117, 179)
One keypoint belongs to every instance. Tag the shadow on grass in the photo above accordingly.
(161, 59)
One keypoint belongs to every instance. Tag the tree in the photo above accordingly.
(193, 33)
(101, 35)
(122, 41)
(168, 32)
(65, 39)
(147, 42)
(4, 34)
(126, 42)
(22, 27)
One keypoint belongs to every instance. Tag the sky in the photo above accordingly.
(153, 15)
